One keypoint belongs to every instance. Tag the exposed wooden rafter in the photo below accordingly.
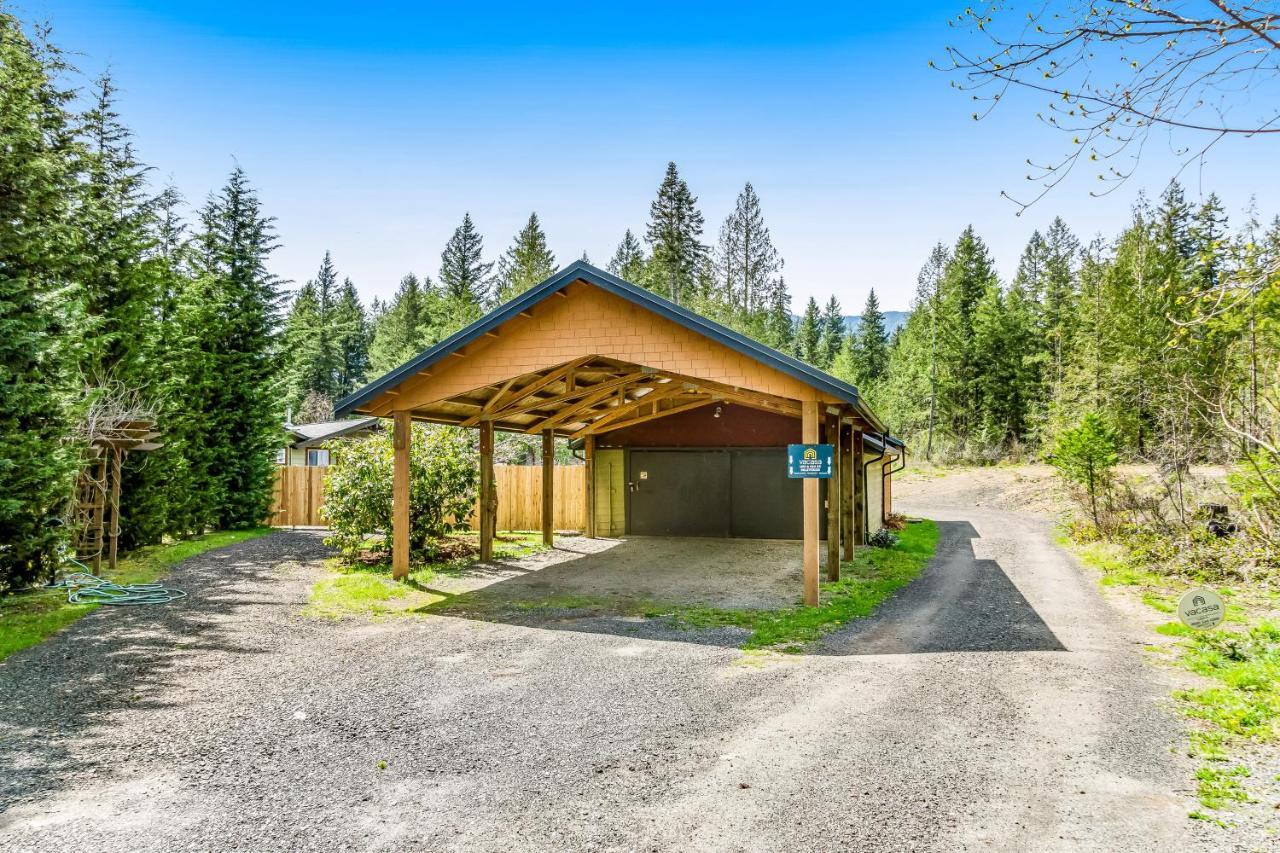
(683, 407)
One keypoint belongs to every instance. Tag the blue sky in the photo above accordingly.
(370, 128)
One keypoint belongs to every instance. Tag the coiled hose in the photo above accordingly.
(84, 587)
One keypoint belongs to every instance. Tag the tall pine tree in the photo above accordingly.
(527, 261)
(628, 260)
(675, 239)
(408, 325)
(37, 183)
(831, 334)
(465, 279)
(351, 324)
(747, 262)
(231, 312)
(808, 341)
(313, 345)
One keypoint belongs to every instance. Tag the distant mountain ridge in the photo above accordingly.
(892, 320)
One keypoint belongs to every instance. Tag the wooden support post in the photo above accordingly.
(859, 492)
(833, 499)
(548, 487)
(402, 436)
(488, 499)
(846, 490)
(113, 531)
(809, 435)
(589, 453)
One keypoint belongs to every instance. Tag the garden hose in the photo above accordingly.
(84, 587)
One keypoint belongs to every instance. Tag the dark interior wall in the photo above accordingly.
(737, 426)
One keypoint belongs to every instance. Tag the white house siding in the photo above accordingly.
(875, 496)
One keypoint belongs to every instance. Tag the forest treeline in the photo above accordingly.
(1167, 330)
(113, 307)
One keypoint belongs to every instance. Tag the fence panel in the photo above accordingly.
(299, 495)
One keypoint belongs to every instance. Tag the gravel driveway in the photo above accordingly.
(996, 704)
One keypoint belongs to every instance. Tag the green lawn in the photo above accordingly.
(366, 589)
(29, 616)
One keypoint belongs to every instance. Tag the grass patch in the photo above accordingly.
(1242, 660)
(1220, 786)
(29, 616)
(865, 582)
(365, 587)
(365, 594)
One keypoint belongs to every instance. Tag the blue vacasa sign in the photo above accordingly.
(809, 460)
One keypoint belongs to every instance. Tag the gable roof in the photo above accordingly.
(583, 271)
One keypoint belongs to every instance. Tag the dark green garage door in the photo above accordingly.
(728, 492)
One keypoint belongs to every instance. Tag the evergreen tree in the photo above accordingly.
(969, 275)
(809, 335)
(354, 334)
(37, 183)
(231, 311)
(779, 326)
(527, 262)
(674, 236)
(157, 486)
(117, 287)
(872, 342)
(464, 274)
(628, 261)
(314, 358)
(407, 326)
(748, 264)
(831, 333)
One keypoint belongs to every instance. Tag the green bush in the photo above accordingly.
(443, 477)
(1086, 456)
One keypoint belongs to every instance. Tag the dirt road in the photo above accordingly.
(996, 704)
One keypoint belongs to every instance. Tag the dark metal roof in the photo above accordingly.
(583, 271)
(310, 434)
(878, 441)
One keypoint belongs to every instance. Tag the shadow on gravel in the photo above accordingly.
(960, 603)
(123, 659)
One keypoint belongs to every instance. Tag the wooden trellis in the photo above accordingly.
(96, 524)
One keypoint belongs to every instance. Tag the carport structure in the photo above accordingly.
(586, 355)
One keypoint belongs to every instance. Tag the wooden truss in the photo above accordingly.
(589, 396)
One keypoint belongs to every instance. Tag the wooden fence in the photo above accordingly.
(299, 495)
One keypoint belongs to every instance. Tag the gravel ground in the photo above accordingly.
(996, 704)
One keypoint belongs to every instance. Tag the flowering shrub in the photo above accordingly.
(443, 478)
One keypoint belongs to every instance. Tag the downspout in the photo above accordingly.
(866, 504)
(903, 467)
